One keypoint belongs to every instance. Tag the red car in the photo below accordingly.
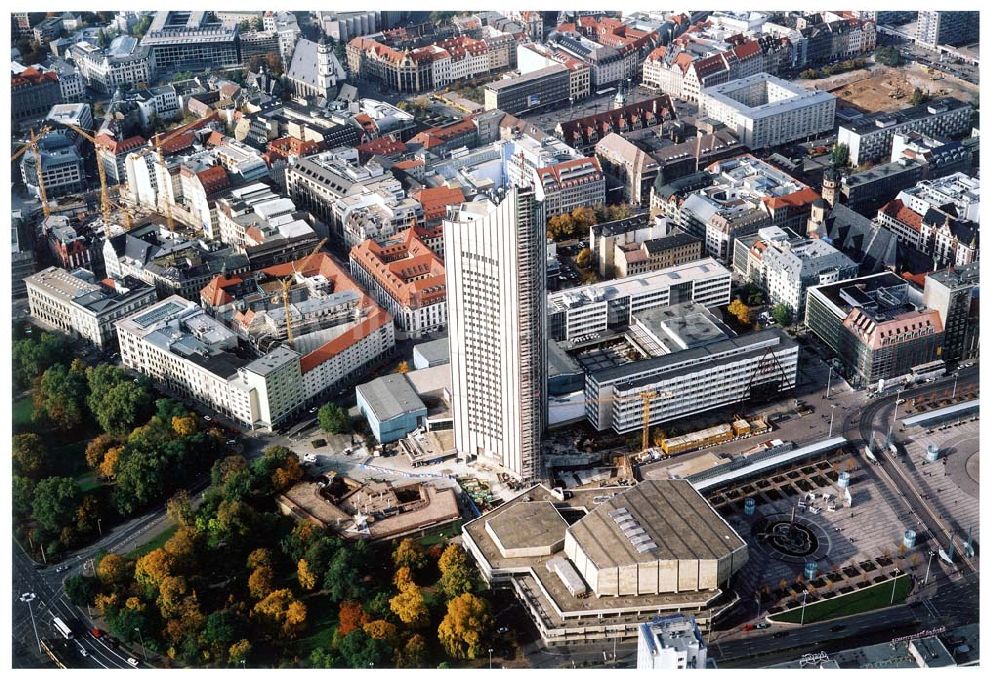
(97, 632)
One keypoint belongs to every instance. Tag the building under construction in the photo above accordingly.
(689, 359)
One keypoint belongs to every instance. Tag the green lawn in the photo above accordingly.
(158, 541)
(23, 409)
(860, 601)
(323, 620)
(88, 482)
(442, 535)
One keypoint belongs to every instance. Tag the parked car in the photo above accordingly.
(133, 662)
(62, 569)
(762, 625)
(97, 632)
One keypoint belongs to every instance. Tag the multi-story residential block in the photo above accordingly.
(766, 111)
(177, 344)
(418, 70)
(74, 303)
(693, 365)
(253, 214)
(874, 327)
(314, 70)
(407, 279)
(631, 166)
(939, 158)
(869, 138)
(672, 642)
(947, 28)
(634, 230)
(32, 94)
(518, 94)
(47, 30)
(785, 265)
(122, 64)
(577, 313)
(71, 83)
(190, 41)
(495, 264)
(954, 294)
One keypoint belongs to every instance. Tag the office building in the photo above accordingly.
(954, 294)
(495, 264)
(606, 238)
(519, 94)
(691, 362)
(956, 195)
(190, 41)
(766, 111)
(627, 554)
(576, 313)
(122, 64)
(865, 192)
(875, 327)
(406, 278)
(946, 28)
(673, 642)
(75, 304)
(869, 138)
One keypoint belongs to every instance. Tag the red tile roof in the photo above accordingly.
(32, 76)
(898, 211)
(405, 268)
(214, 294)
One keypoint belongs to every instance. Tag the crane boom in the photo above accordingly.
(33, 146)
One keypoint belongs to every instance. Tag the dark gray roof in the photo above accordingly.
(621, 226)
(560, 362)
(391, 396)
(706, 353)
(867, 124)
(434, 352)
(676, 240)
(872, 249)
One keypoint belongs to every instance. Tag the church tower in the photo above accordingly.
(831, 186)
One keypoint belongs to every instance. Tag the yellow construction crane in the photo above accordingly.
(102, 175)
(647, 399)
(286, 287)
(33, 146)
(158, 145)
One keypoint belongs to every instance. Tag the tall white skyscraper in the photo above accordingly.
(495, 262)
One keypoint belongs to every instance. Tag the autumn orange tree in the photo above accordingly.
(281, 614)
(410, 607)
(464, 631)
(351, 617)
(740, 311)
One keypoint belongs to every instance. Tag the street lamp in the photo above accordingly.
(832, 408)
(954, 389)
(829, 380)
(99, 530)
(491, 658)
(142, 645)
(27, 598)
(805, 594)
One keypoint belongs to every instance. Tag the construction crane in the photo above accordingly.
(102, 175)
(286, 287)
(158, 145)
(647, 398)
(32, 145)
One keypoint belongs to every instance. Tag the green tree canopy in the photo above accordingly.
(23, 495)
(61, 395)
(33, 356)
(333, 419)
(782, 314)
(56, 500)
(361, 651)
(122, 407)
(840, 155)
(31, 457)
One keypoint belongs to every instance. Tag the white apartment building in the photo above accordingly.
(568, 178)
(577, 313)
(672, 642)
(377, 212)
(495, 263)
(176, 344)
(767, 111)
(73, 303)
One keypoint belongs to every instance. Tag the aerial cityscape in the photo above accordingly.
(495, 339)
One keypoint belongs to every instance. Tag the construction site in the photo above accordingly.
(881, 89)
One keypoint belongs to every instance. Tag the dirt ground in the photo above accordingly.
(889, 89)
